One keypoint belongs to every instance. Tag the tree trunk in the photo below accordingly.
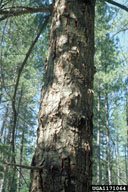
(1, 184)
(64, 135)
(98, 141)
(126, 148)
(126, 165)
(3, 124)
(1, 78)
(103, 165)
(117, 161)
(108, 141)
(21, 159)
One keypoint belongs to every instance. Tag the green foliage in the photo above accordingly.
(109, 83)
(16, 37)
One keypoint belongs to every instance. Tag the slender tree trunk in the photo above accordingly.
(1, 140)
(98, 141)
(1, 184)
(3, 124)
(14, 127)
(21, 158)
(103, 165)
(1, 79)
(118, 163)
(7, 136)
(108, 142)
(64, 135)
(126, 165)
(126, 149)
(12, 170)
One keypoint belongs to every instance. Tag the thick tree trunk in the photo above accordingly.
(64, 135)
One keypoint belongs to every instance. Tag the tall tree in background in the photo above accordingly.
(107, 89)
(126, 146)
(18, 95)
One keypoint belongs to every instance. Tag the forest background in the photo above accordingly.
(23, 53)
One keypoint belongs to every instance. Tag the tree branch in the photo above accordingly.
(23, 10)
(42, 8)
(24, 166)
(18, 79)
(121, 30)
(117, 4)
(23, 177)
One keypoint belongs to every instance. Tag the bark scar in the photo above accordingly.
(86, 146)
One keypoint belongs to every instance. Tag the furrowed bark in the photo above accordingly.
(64, 135)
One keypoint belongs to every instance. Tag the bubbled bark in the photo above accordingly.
(64, 135)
